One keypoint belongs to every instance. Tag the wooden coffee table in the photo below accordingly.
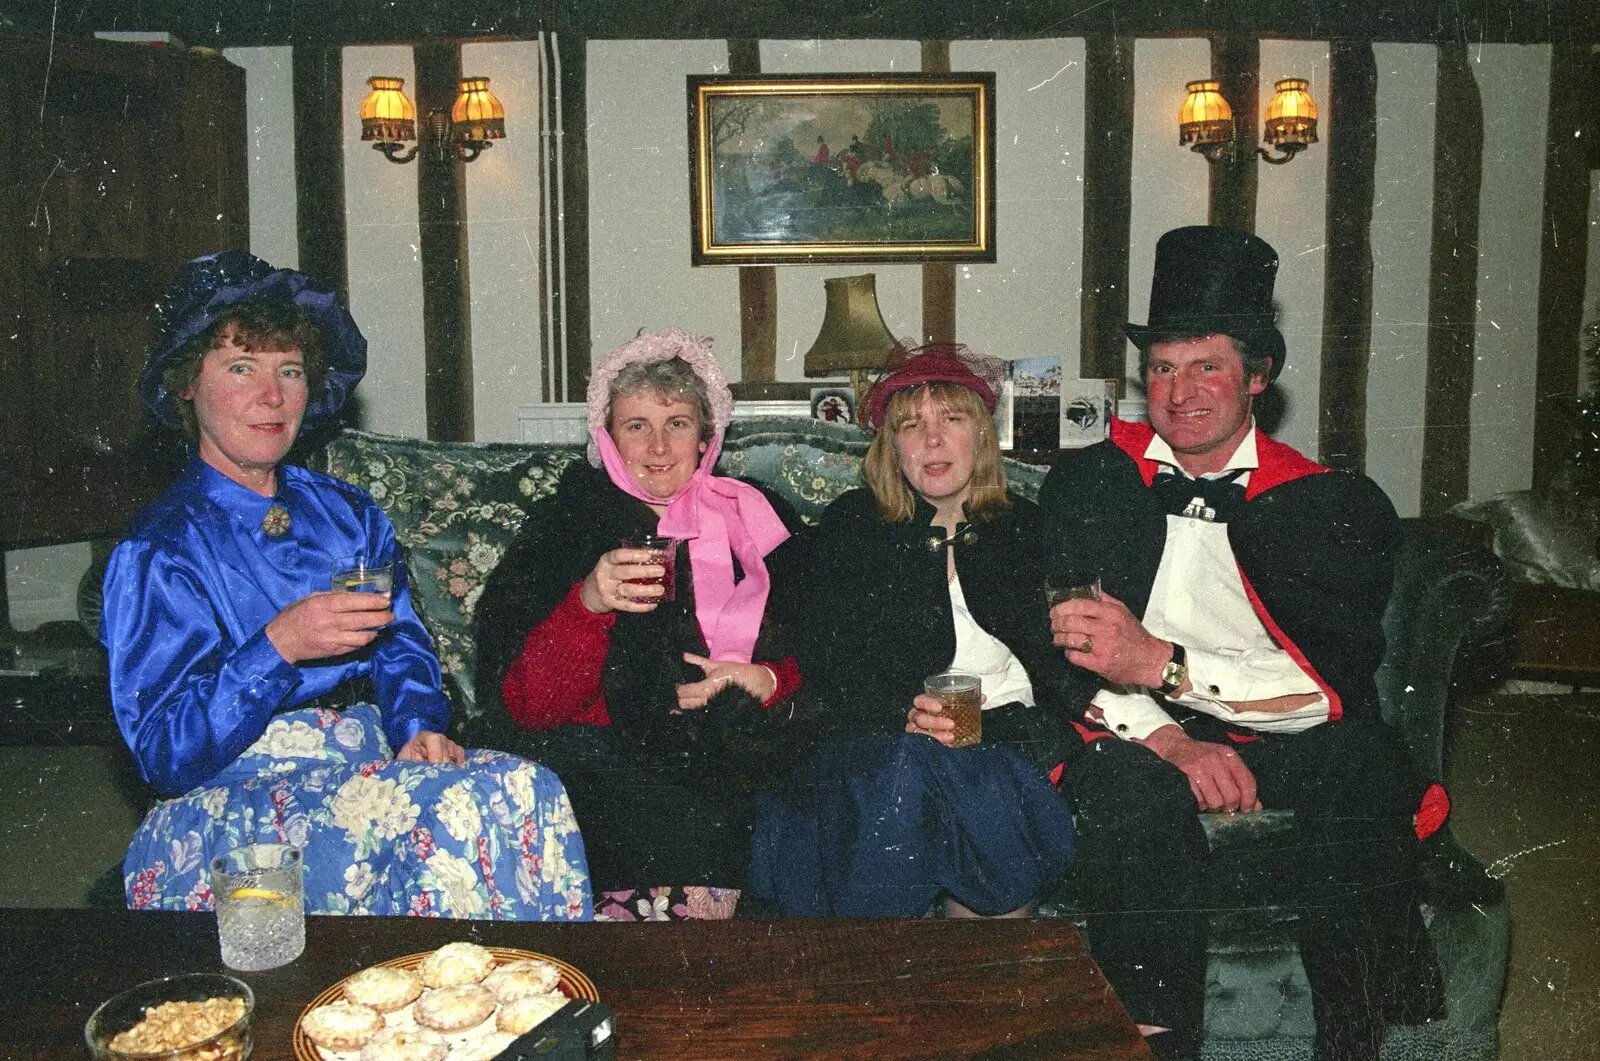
(704, 990)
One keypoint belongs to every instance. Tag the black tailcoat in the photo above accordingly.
(1315, 546)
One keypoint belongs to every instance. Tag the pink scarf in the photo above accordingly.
(722, 519)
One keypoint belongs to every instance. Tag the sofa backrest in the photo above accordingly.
(457, 505)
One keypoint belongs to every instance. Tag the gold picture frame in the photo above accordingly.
(842, 168)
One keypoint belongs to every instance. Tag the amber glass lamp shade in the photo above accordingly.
(387, 116)
(853, 334)
(1291, 116)
(1206, 117)
(477, 115)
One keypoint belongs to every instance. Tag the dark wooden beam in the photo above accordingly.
(378, 21)
(1452, 283)
(1347, 292)
(1235, 62)
(441, 202)
(1562, 254)
(319, 165)
(1107, 206)
(758, 284)
(938, 281)
(758, 324)
(575, 219)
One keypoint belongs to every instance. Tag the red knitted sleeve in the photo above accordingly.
(556, 678)
(787, 673)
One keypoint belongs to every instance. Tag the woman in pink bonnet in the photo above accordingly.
(657, 711)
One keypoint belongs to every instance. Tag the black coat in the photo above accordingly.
(881, 619)
(556, 548)
(662, 797)
(1316, 546)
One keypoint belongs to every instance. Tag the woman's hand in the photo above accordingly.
(328, 624)
(430, 747)
(927, 717)
(615, 584)
(757, 680)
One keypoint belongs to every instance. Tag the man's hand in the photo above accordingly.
(430, 747)
(328, 624)
(757, 680)
(1217, 776)
(1103, 636)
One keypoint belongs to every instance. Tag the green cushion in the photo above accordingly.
(455, 508)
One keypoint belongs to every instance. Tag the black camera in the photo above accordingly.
(578, 1031)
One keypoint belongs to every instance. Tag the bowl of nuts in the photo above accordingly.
(192, 1017)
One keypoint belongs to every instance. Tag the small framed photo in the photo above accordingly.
(1086, 409)
(1035, 384)
(836, 405)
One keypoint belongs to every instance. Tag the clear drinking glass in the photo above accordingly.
(1057, 591)
(666, 550)
(261, 910)
(961, 696)
(363, 574)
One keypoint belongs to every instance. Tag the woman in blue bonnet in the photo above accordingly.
(268, 708)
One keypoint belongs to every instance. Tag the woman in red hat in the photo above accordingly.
(931, 567)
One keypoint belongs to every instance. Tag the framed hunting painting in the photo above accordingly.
(843, 168)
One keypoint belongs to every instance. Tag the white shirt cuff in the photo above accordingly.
(1235, 675)
(1218, 676)
(1131, 716)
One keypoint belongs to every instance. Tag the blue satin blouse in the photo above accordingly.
(188, 595)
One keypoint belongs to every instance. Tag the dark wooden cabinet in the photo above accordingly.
(120, 162)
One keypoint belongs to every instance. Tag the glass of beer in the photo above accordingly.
(1057, 591)
(961, 696)
(666, 554)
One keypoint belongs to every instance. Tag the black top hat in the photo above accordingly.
(1214, 281)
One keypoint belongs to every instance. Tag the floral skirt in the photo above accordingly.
(691, 902)
(495, 839)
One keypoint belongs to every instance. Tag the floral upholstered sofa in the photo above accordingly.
(456, 507)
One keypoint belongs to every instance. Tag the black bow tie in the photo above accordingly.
(1214, 500)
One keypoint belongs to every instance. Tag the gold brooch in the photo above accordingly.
(276, 522)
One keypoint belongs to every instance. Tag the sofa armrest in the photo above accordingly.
(1449, 596)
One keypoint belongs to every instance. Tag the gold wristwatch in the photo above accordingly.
(1174, 672)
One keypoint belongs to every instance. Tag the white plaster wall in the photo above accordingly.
(269, 116)
(1513, 80)
(1402, 220)
(385, 266)
(639, 273)
(801, 299)
(1291, 215)
(505, 243)
(1027, 304)
(1170, 183)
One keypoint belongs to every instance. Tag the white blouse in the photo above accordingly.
(980, 652)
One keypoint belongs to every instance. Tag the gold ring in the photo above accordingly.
(1088, 643)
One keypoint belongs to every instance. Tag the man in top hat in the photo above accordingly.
(1234, 640)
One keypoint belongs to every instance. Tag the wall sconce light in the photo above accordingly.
(390, 119)
(1205, 123)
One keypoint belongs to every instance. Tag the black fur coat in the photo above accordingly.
(557, 547)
